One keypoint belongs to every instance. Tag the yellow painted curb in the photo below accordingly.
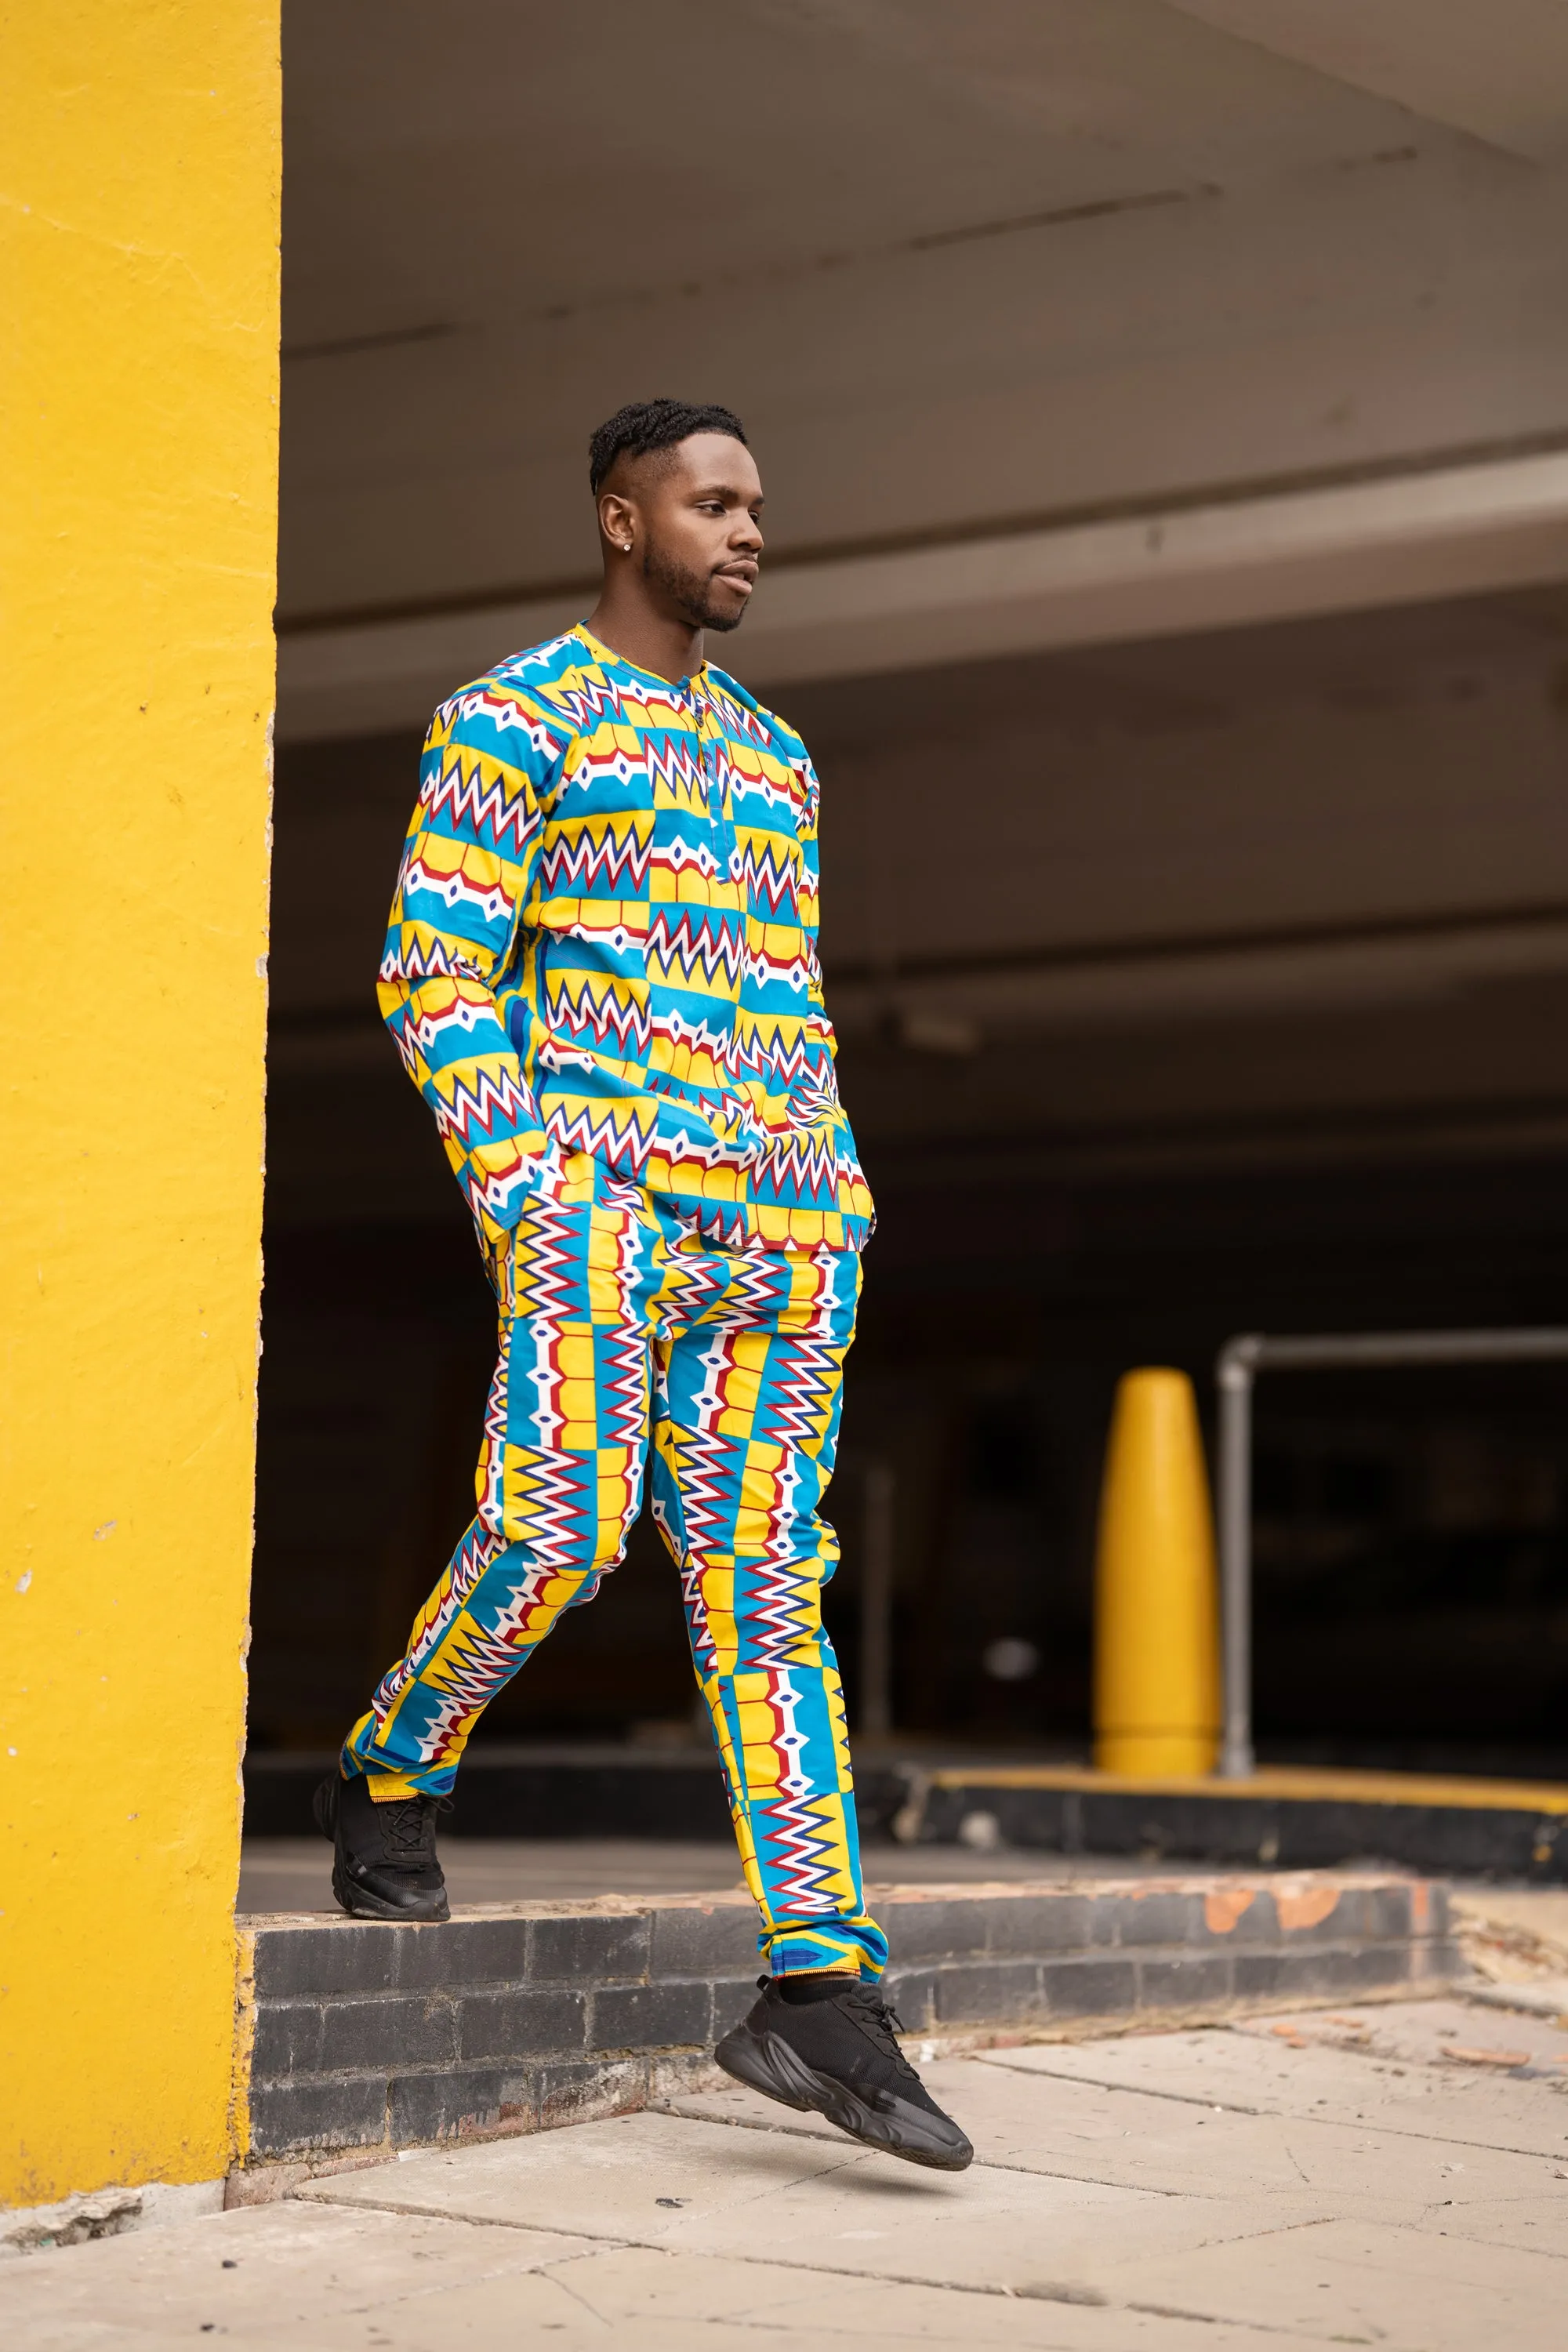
(1296, 1783)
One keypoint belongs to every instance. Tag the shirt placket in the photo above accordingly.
(721, 831)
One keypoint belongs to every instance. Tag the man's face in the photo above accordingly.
(699, 507)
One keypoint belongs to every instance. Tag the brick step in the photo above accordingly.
(367, 2038)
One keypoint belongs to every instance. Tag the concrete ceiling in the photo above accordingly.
(1501, 74)
(481, 158)
(1063, 332)
(963, 270)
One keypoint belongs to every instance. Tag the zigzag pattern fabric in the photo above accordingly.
(604, 940)
(618, 1323)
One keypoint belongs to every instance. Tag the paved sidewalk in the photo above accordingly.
(1394, 2176)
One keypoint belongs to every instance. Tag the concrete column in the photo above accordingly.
(139, 285)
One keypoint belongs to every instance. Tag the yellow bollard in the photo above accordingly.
(1156, 1612)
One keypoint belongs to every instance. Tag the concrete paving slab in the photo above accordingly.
(638, 2287)
(1048, 2316)
(273, 2267)
(1538, 1913)
(1545, 1996)
(1135, 2214)
(499, 2315)
(1356, 2282)
(918, 2316)
(796, 2202)
(610, 2175)
(1131, 2139)
(1262, 2074)
(530, 2308)
(1442, 2034)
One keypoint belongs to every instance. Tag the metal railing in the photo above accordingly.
(1240, 1363)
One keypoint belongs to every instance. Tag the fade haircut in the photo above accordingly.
(637, 430)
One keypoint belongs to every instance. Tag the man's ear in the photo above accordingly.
(618, 521)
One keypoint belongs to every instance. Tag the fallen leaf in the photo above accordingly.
(1486, 2057)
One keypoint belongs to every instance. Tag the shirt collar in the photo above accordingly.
(606, 654)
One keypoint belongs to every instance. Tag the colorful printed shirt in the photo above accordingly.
(604, 940)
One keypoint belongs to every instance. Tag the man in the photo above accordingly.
(601, 975)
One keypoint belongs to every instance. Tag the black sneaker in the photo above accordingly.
(384, 1862)
(834, 2052)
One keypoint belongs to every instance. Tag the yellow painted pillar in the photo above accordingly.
(1156, 1611)
(139, 289)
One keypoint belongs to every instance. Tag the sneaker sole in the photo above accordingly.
(361, 1903)
(765, 2063)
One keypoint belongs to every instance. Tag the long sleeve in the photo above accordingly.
(461, 888)
(817, 1093)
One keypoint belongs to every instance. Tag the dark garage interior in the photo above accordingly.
(1282, 1053)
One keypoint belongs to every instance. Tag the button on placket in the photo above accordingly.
(725, 849)
(708, 751)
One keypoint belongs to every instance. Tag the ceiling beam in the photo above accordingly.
(1408, 538)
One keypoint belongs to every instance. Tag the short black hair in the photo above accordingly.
(648, 424)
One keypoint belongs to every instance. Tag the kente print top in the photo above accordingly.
(605, 939)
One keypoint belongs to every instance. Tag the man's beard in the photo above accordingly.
(692, 590)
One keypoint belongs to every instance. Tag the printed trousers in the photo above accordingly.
(618, 1325)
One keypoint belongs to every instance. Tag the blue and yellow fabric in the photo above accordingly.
(618, 1323)
(601, 972)
(604, 940)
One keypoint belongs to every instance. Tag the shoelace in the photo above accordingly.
(884, 2021)
(409, 1826)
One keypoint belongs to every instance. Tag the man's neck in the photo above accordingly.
(669, 649)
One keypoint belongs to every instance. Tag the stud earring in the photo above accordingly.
(626, 547)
